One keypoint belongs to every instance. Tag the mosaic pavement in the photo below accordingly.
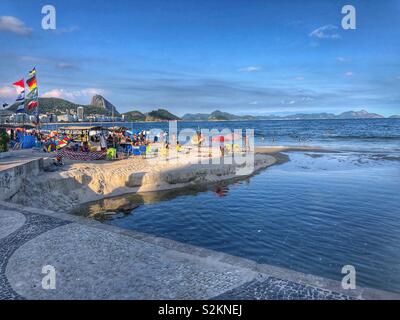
(95, 261)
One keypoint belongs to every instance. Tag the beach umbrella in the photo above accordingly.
(218, 139)
(233, 137)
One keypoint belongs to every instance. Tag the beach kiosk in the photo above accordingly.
(80, 135)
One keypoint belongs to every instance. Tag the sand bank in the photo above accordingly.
(79, 183)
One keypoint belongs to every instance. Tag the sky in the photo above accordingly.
(192, 56)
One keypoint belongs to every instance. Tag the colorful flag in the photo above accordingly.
(33, 94)
(21, 108)
(32, 72)
(21, 96)
(32, 83)
(19, 85)
(33, 104)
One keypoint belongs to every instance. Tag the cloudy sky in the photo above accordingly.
(252, 57)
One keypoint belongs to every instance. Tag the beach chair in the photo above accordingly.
(111, 153)
(143, 150)
(149, 149)
(136, 152)
(236, 148)
(128, 150)
(228, 148)
(164, 152)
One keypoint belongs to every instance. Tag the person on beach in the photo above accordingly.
(222, 150)
(103, 143)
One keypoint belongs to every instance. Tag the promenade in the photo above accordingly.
(97, 261)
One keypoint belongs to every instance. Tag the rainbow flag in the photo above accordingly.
(32, 84)
(33, 94)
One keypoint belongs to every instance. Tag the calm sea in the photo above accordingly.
(314, 214)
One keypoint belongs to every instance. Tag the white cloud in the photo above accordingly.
(65, 65)
(68, 29)
(349, 74)
(14, 25)
(299, 78)
(75, 95)
(254, 103)
(325, 32)
(250, 69)
(31, 59)
(343, 59)
(7, 92)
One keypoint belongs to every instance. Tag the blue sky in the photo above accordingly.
(244, 57)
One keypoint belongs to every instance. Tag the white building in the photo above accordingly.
(66, 118)
(80, 113)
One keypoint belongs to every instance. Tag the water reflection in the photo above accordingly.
(120, 206)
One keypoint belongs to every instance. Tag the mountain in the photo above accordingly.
(154, 116)
(195, 117)
(395, 117)
(133, 116)
(61, 106)
(219, 115)
(216, 116)
(363, 114)
(161, 115)
(102, 103)
(224, 116)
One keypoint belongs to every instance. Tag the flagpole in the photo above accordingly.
(38, 112)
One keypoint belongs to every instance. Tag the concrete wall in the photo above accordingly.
(13, 178)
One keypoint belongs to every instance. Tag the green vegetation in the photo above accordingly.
(3, 141)
(133, 116)
(161, 115)
(61, 106)
(155, 115)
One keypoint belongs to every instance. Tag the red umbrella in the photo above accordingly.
(218, 139)
(233, 137)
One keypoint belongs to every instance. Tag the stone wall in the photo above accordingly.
(13, 178)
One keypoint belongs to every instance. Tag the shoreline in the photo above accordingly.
(84, 250)
(79, 183)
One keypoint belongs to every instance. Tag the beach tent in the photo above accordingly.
(28, 142)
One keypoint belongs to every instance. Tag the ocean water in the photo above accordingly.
(313, 214)
(357, 134)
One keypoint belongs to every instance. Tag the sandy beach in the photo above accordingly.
(77, 183)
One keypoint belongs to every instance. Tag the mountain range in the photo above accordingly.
(101, 106)
(224, 116)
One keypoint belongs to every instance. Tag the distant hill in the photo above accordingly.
(156, 115)
(161, 114)
(133, 116)
(395, 117)
(216, 116)
(224, 116)
(363, 114)
(61, 106)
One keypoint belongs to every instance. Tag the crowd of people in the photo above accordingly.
(117, 143)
